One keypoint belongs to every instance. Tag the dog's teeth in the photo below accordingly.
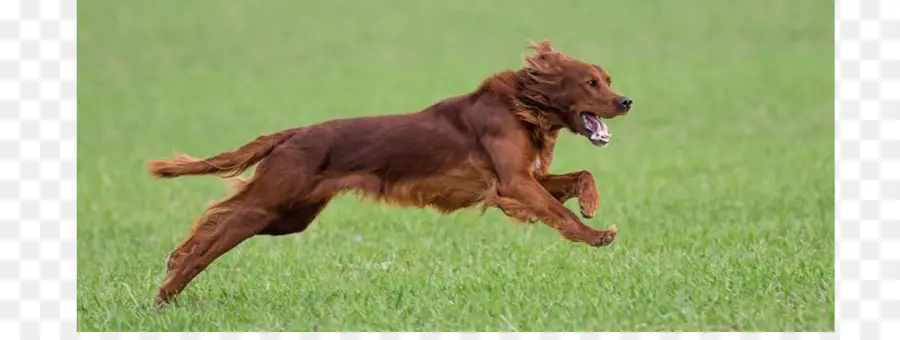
(599, 137)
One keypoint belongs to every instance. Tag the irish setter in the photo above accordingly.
(491, 147)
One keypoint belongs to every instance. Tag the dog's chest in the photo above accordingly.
(543, 152)
(537, 165)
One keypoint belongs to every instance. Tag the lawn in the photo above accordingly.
(720, 181)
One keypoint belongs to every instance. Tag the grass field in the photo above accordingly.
(721, 180)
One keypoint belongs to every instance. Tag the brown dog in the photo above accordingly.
(491, 147)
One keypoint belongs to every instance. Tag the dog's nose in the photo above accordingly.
(624, 102)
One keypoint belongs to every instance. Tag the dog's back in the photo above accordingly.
(427, 158)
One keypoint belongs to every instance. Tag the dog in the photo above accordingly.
(491, 148)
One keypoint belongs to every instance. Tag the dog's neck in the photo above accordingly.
(509, 85)
(537, 123)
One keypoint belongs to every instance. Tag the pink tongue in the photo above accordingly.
(596, 124)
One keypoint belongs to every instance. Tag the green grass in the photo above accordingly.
(721, 180)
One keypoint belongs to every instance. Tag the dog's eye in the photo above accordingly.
(592, 83)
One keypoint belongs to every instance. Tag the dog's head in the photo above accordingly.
(570, 93)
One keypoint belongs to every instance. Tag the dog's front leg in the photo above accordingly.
(529, 194)
(579, 184)
(518, 188)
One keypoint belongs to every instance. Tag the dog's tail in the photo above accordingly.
(228, 164)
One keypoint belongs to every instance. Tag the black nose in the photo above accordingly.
(624, 102)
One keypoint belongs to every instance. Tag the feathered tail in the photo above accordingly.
(226, 164)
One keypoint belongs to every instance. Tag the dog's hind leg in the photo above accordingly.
(205, 226)
(264, 204)
(210, 241)
(295, 220)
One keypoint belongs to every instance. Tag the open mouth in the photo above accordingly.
(597, 131)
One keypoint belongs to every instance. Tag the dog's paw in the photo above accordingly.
(605, 237)
(588, 203)
(587, 212)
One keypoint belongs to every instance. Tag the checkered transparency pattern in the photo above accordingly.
(38, 190)
(37, 169)
(868, 169)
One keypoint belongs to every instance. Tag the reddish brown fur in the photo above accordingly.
(492, 147)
